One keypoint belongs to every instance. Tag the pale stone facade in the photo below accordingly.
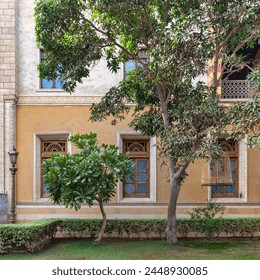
(29, 114)
(8, 87)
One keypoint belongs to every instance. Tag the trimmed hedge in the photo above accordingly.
(150, 228)
(115, 228)
(35, 236)
(30, 237)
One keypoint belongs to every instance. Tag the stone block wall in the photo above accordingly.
(8, 86)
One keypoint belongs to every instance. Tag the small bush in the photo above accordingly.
(208, 212)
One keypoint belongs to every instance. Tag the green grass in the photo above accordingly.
(146, 249)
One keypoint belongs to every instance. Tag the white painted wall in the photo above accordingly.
(98, 83)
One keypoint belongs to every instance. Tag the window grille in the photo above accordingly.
(238, 89)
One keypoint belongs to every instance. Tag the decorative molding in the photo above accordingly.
(58, 100)
(10, 98)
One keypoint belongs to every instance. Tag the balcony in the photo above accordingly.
(238, 89)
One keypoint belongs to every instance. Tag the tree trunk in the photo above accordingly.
(104, 222)
(175, 182)
(175, 185)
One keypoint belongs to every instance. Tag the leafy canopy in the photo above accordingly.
(179, 39)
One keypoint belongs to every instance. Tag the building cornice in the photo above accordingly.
(57, 100)
(10, 98)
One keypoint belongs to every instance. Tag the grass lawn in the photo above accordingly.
(146, 250)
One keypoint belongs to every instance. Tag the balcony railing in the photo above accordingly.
(238, 89)
(3, 207)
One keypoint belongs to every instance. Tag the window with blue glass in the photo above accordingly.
(139, 184)
(231, 148)
(131, 64)
(48, 83)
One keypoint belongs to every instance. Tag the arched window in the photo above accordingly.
(139, 152)
(48, 148)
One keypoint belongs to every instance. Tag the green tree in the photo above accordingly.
(179, 39)
(245, 120)
(245, 117)
(87, 176)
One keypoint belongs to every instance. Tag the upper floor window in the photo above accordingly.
(131, 64)
(47, 83)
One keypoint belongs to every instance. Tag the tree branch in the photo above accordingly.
(108, 36)
(184, 166)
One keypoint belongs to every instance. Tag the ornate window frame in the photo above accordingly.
(38, 138)
(153, 176)
(242, 178)
(139, 152)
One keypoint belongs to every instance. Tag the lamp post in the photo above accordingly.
(13, 159)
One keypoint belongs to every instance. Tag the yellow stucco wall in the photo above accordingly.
(74, 119)
(254, 175)
(45, 119)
